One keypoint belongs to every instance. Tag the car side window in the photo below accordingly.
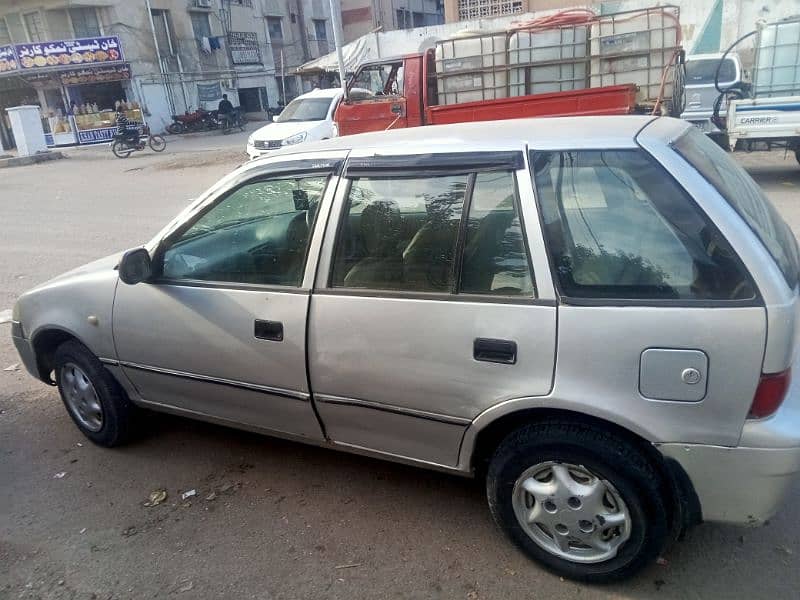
(618, 226)
(495, 259)
(379, 80)
(400, 234)
(257, 234)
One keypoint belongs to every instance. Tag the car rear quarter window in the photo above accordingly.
(617, 226)
(745, 196)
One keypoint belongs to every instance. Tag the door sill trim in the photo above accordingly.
(293, 394)
(408, 412)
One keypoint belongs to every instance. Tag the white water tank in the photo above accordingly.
(553, 60)
(470, 67)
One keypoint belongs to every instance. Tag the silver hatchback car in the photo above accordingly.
(596, 316)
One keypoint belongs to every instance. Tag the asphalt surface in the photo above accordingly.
(270, 519)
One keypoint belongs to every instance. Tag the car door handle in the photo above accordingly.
(268, 330)
(397, 109)
(496, 351)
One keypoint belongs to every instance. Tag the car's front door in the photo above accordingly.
(220, 330)
(426, 311)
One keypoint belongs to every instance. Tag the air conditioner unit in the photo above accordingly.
(202, 3)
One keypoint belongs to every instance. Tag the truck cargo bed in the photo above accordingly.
(610, 100)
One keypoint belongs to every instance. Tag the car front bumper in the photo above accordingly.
(746, 484)
(24, 349)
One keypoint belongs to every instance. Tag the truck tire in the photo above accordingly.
(93, 398)
(584, 503)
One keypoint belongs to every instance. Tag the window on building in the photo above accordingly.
(84, 22)
(320, 32)
(275, 28)
(163, 27)
(480, 9)
(403, 17)
(5, 37)
(34, 26)
(201, 25)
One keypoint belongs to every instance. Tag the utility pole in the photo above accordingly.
(337, 40)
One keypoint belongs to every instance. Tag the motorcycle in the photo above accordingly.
(199, 120)
(122, 146)
(229, 121)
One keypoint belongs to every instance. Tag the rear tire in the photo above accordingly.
(176, 128)
(121, 149)
(110, 419)
(565, 527)
(157, 143)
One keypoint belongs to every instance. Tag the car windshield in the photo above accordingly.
(306, 109)
(702, 71)
(746, 198)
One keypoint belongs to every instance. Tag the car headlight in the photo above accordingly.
(295, 139)
(251, 141)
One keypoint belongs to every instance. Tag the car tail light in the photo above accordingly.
(770, 393)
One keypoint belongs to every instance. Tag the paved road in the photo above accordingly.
(286, 521)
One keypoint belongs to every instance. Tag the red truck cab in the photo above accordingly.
(402, 92)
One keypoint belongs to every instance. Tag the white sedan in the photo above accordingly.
(306, 118)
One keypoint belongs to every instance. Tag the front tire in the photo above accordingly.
(157, 143)
(176, 127)
(93, 398)
(584, 503)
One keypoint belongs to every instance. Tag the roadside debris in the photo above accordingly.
(188, 494)
(349, 566)
(184, 586)
(662, 561)
(212, 496)
(129, 531)
(5, 316)
(784, 550)
(60, 475)
(14, 367)
(156, 497)
(82, 531)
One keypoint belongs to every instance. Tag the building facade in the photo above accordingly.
(80, 61)
(360, 17)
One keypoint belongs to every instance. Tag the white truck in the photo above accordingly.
(771, 118)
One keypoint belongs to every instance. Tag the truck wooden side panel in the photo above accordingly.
(612, 100)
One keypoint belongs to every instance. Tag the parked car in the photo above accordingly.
(595, 316)
(307, 118)
(701, 92)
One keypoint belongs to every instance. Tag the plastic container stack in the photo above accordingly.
(472, 67)
(636, 47)
(777, 63)
(553, 60)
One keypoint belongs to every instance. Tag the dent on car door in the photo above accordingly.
(426, 310)
(661, 327)
(220, 330)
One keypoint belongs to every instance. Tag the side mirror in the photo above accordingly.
(135, 266)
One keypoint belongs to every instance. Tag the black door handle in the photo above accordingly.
(397, 109)
(496, 351)
(268, 330)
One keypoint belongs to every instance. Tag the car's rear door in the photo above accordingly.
(432, 302)
(220, 332)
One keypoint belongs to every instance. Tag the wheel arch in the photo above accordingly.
(479, 444)
(45, 340)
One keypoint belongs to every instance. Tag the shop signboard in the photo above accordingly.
(95, 74)
(65, 53)
(244, 48)
(94, 136)
(8, 59)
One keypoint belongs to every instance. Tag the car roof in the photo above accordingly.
(552, 133)
(322, 93)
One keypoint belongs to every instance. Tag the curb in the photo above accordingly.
(21, 161)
